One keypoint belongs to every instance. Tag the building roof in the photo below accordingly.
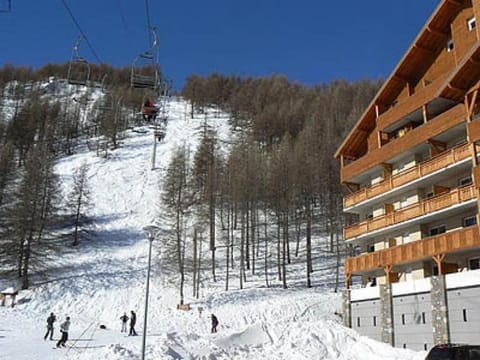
(416, 61)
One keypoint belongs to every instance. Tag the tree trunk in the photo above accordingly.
(247, 236)
(309, 242)
(265, 232)
(194, 265)
(279, 239)
(212, 233)
(284, 254)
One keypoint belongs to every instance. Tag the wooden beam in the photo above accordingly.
(474, 61)
(459, 91)
(472, 103)
(424, 49)
(438, 32)
(455, 2)
(401, 78)
(474, 87)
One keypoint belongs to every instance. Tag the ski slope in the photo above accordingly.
(106, 277)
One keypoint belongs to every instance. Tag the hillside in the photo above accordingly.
(105, 277)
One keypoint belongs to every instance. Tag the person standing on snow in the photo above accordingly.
(50, 320)
(124, 319)
(214, 323)
(133, 320)
(64, 329)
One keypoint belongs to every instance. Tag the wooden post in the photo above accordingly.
(348, 277)
(425, 113)
(387, 269)
(439, 259)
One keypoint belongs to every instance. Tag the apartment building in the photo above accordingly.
(411, 168)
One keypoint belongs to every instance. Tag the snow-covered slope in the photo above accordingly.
(107, 278)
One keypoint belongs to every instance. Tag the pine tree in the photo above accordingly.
(79, 202)
(178, 198)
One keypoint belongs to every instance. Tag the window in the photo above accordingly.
(471, 23)
(465, 315)
(469, 221)
(423, 318)
(474, 263)
(465, 181)
(429, 194)
(374, 321)
(403, 319)
(358, 322)
(371, 248)
(437, 230)
(450, 45)
(403, 202)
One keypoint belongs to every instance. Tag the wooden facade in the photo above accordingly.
(426, 115)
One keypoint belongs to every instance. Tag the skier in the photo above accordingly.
(50, 320)
(64, 329)
(124, 319)
(214, 323)
(133, 320)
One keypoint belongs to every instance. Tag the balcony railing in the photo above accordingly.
(415, 251)
(410, 104)
(474, 130)
(439, 202)
(415, 137)
(429, 166)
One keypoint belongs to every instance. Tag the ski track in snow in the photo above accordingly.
(107, 277)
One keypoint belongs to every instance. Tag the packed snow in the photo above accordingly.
(97, 282)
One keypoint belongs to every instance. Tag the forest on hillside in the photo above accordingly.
(280, 169)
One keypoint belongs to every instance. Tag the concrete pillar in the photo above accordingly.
(347, 308)
(387, 314)
(438, 293)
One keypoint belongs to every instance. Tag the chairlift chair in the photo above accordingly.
(144, 72)
(78, 67)
(106, 104)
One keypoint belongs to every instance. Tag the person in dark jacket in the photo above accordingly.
(50, 320)
(124, 319)
(133, 320)
(214, 323)
(64, 327)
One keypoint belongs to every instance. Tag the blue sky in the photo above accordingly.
(310, 41)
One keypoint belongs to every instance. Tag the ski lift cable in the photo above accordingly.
(81, 31)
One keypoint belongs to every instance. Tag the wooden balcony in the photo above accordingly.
(439, 202)
(415, 251)
(474, 131)
(411, 104)
(417, 136)
(429, 166)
